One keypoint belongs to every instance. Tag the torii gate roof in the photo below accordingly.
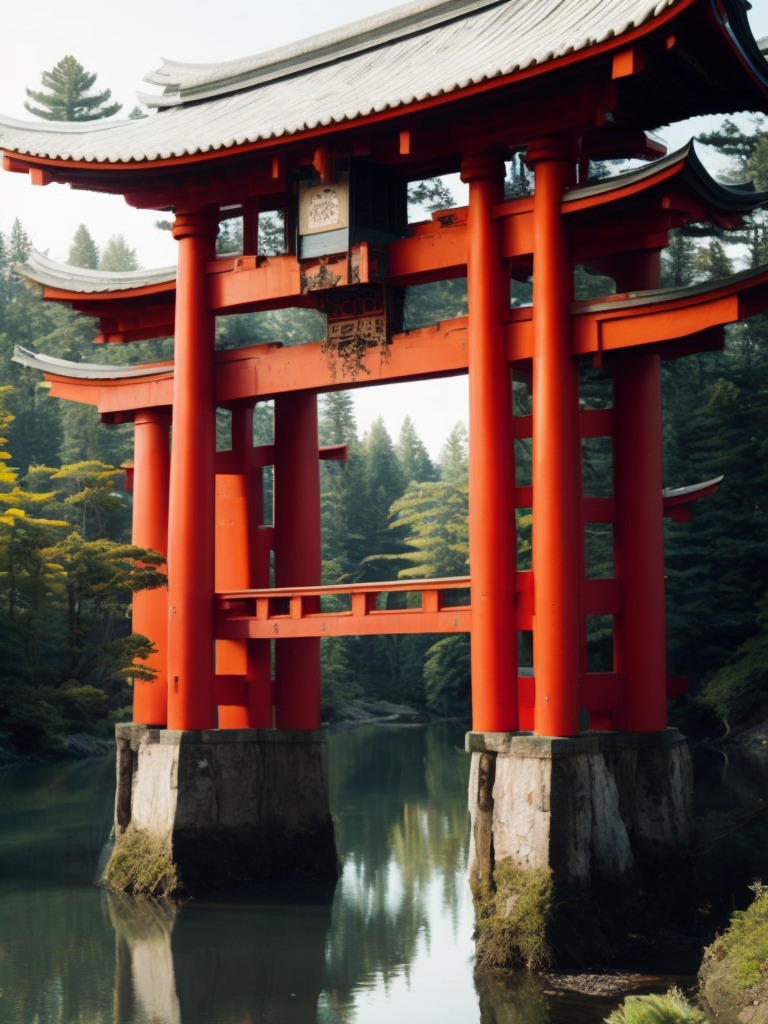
(698, 56)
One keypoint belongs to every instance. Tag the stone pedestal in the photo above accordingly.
(589, 807)
(580, 818)
(199, 811)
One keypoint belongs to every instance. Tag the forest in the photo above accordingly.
(68, 569)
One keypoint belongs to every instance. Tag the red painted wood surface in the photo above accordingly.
(191, 510)
(492, 542)
(556, 456)
(150, 530)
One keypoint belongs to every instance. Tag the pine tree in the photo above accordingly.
(383, 483)
(20, 246)
(415, 463)
(337, 418)
(118, 256)
(677, 260)
(83, 251)
(454, 467)
(711, 262)
(435, 518)
(69, 97)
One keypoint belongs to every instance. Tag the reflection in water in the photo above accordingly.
(402, 834)
(392, 944)
(233, 963)
(145, 981)
(56, 945)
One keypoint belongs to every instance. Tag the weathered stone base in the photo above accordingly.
(199, 811)
(577, 819)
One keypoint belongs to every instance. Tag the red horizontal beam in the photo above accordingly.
(290, 611)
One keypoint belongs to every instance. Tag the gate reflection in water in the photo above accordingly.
(394, 939)
(393, 943)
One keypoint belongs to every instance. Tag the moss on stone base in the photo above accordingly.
(531, 919)
(513, 919)
(217, 858)
(141, 864)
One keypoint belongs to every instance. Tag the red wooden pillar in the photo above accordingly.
(298, 559)
(640, 630)
(238, 515)
(492, 550)
(151, 468)
(191, 512)
(556, 451)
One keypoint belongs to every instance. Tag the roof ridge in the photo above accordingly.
(183, 82)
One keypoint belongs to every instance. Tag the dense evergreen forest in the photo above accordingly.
(67, 567)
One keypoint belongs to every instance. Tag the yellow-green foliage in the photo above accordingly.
(513, 920)
(672, 1008)
(141, 864)
(740, 954)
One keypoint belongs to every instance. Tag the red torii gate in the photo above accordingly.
(668, 192)
(446, 86)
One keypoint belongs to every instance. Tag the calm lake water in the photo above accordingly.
(392, 944)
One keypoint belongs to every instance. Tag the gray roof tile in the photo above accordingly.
(433, 47)
(414, 52)
(42, 270)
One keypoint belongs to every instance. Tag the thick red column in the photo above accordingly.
(556, 452)
(492, 551)
(298, 559)
(191, 512)
(151, 468)
(238, 516)
(640, 630)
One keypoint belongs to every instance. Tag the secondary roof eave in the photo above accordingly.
(70, 370)
(98, 292)
(65, 281)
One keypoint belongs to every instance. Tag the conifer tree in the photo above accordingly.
(20, 244)
(69, 96)
(415, 463)
(118, 256)
(454, 467)
(383, 483)
(83, 251)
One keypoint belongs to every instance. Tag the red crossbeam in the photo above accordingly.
(363, 609)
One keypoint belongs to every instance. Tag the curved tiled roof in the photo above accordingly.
(42, 270)
(85, 371)
(741, 198)
(416, 52)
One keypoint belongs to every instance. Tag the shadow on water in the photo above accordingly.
(393, 942)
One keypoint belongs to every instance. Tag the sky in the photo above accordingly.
(122, 43)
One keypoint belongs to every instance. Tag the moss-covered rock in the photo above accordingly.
(734, 973)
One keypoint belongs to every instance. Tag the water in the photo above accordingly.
(393, 943)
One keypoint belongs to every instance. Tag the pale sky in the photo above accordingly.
(121, 43)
